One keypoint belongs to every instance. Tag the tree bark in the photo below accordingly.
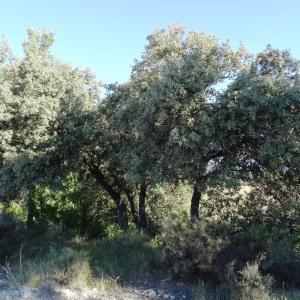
(133, 211)
(30, 211)
(123, 216)
(115, 195)
(195, 203)
(142, 206)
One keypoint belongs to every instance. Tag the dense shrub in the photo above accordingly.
(124, 255)
(76, 205)
(191, 248)
(283, 259)
(287, 274)
(241, 248)
(205, 249)
(164, 201)
(12, 234)
(252, 285)
(247, 284)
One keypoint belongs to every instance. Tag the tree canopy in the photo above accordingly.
(194, 111)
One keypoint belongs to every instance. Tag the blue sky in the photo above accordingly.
(108, 35)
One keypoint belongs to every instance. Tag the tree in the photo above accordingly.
(105, 155)
(171, 103)
(259, 117)
(41, 99)
(193, 111)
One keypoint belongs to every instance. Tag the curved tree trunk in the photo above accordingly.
(115, 195)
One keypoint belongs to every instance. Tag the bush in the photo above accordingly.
(283, 260)
(17, 209)
(64, 266)
(12, 234)
(191, 248)
(205, 249)
(125, 255)
(247, 284)
(251, 285)
(242, 248)
(77, 206)
(164, 201)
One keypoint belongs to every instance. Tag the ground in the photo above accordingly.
(137, 290)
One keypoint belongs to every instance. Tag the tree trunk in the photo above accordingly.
(133, 211)
(30, 211)
(115, 195)
(195, 202)
(123, 217)
(142, 206)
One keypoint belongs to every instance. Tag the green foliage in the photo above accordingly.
(252, 285)
(171, 123)
(195, 115)
(42, 106)
(168, 103)
(191, 248)
(64, 266)
(125, 255)
(265, 206)
(248, 284)
(12, 234)
(16, 209)
(205, 249)
(163, 202)
(254, 109)
(76, 205)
